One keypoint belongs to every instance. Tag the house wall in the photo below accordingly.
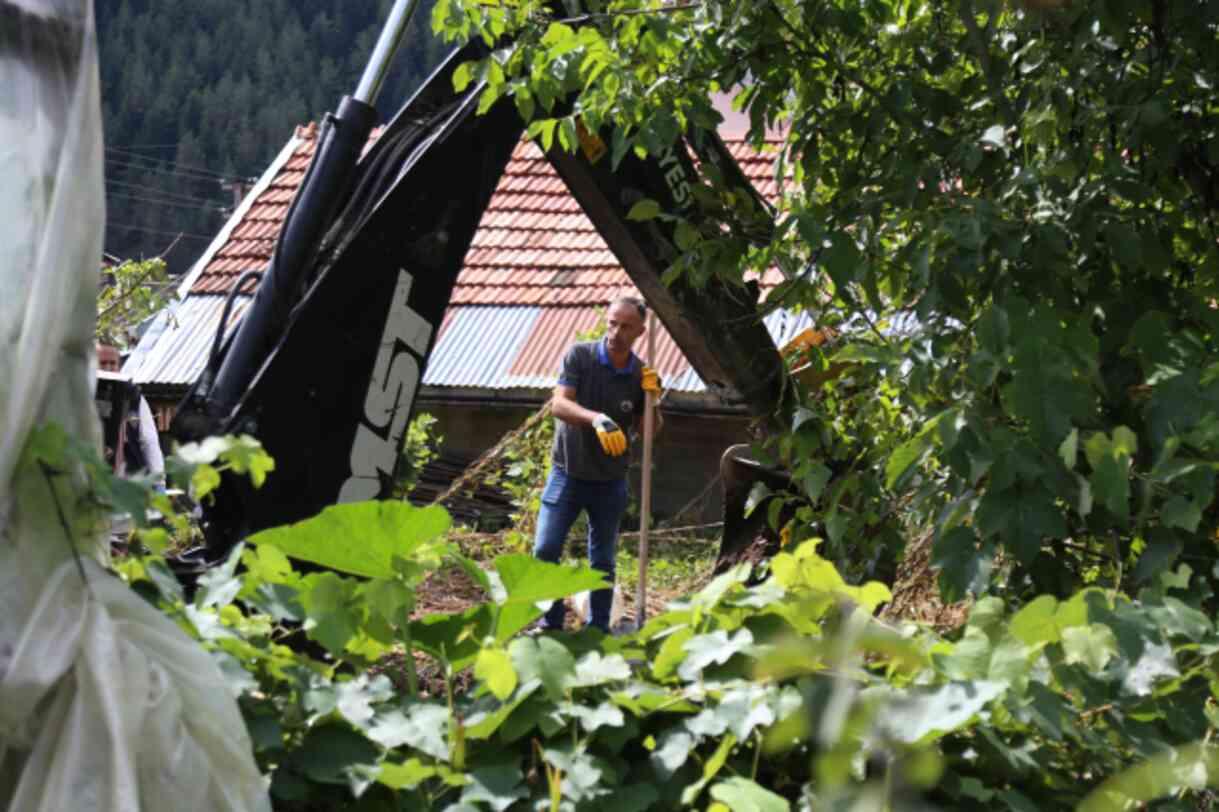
(686, 452)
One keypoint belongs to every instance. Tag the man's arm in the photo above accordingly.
(564, 406)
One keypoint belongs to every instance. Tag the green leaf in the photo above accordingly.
(1035, 623)
(603, 715)
(816, 476)
(1155, 663)
(803, 415)
(544, 659)
(994, 137)
(581, 774)
(528, 580)
(675, 748)
(1161, 551)
(220, 585)
(907, 455)
(1068, 450)
(407, 775)
(686, 236)
(710, 769)
(354, 698)
(423, 726)
(646, 209)
(739, 712)
(498, 786)
(672, 653)
(964, 568)
(842, 259)
(711, 649)
(482, 724)
(1181, 511)
(757, 495)
(1110, 481)
(203, 481)
(494, 667)
(463, 75)
(360, 538)
(742, 795)
(1090, 646)
(926, 711)
(329, 602)
(1124, 244)
(1175, 618)
(389, 598)
(595, 669)
(329, 750)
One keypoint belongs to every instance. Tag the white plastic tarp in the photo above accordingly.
(104, 703)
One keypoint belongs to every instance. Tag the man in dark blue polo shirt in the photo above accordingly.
(599, 396)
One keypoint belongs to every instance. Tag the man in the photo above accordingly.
(599, 396)
(141, 445)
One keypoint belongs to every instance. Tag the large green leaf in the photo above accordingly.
(423, 726)
(924, 712)
(494, 667)
(742, 795)
(498, 786)
(361, 538)
(545, 659)
(964, 567)
(529, 580)
(1036, 623)
(1090, 646)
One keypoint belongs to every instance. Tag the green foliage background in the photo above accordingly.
(197, 93)
(1008, 210)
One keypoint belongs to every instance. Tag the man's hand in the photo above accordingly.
(650, 381)
(613, 441)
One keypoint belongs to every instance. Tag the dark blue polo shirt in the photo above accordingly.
(599, 386)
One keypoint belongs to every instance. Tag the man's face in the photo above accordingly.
(624, 326)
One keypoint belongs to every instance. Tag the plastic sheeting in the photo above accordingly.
(104, 703)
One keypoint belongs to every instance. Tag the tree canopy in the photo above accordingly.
(1033, 187)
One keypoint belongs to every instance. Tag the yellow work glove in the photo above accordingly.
(613, 441)
(650, 381)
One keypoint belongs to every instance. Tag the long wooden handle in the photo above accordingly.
(645, 501)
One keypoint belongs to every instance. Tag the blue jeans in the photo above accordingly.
(562, 500)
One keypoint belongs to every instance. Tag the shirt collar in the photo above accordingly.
(603, 357)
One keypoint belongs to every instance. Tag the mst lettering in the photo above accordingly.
(391, 391)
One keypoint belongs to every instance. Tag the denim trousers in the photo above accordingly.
(562, 500)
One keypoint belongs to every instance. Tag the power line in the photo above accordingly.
(172, 163)
(218, 209)
(167, 195)
(157, 170)
(151, 146)
(186, 234)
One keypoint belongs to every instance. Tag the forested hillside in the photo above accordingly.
(199, 95)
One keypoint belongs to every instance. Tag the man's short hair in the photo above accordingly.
(635, 302)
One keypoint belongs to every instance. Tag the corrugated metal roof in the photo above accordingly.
(499, 348)
(175, 348)
(478, 345)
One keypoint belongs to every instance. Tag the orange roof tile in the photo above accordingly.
(534, 245)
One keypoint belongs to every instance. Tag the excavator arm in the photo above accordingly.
(326, 366)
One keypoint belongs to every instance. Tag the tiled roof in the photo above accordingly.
(252, 239)
(534, 245)
(537, 274)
